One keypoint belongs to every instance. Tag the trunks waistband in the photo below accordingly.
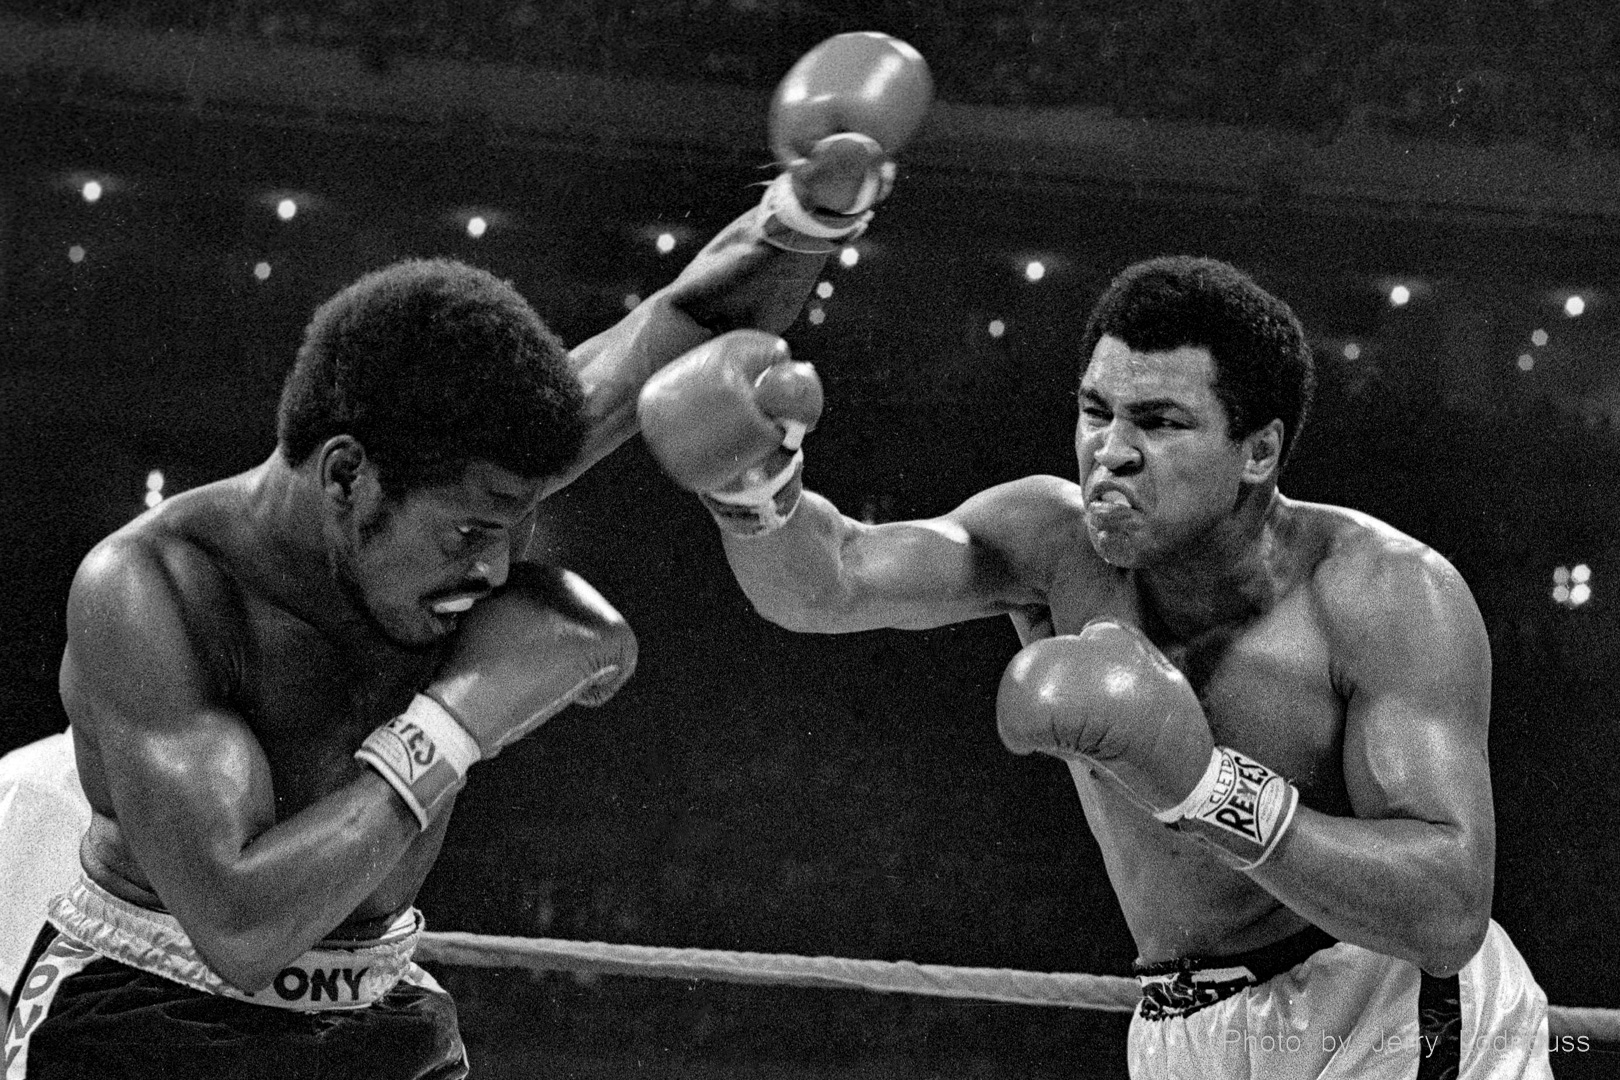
(1181, 987)
(332, 975)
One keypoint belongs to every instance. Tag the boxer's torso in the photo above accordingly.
(1269, 687)
(307, 697)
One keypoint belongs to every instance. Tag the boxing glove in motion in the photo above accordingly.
(727, 420)
(836, 120)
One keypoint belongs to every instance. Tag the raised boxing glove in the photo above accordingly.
(1108, 696)
(545, 640)
(836, 120)
(727, 419)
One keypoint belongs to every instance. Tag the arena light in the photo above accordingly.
(848, 255)
(1538, 337)
(1352, 350)
(1526, 362)
(665, 237)
(76, 254)
(154, 487)
(474, 221)
(1400, 295)
(631, 301)
(996, 328)
(1575, 306)
(89, 186)
(261, 270)
(1034, 270)
(1572, 586)
(825, 290)
(288, 203)
(817, 316)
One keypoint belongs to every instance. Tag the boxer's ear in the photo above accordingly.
(1263, 449)
(349, 477)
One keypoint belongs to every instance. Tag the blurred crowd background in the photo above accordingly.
(1434, 186)
(1479, 71)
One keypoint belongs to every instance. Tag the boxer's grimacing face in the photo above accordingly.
(419, 561)
(1157, 466)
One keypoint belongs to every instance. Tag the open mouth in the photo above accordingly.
(454, 605)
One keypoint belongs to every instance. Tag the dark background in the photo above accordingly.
(757, 790)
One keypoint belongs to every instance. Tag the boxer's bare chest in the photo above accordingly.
(1267, 687)
(1266, 682)
(310, 700)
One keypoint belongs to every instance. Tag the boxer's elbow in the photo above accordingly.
(247, 964)
(246, 952)
(1451, 947)
(1455, 928)
(810, 611)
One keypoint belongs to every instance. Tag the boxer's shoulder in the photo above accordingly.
(1034, 526)
(164, 581)
(1030, 516)
(1372, 584)
(1345, 555)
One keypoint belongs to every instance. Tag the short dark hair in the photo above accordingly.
(432, 365)
(1263, 364)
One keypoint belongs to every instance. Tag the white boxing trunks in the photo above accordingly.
(1310, 1008)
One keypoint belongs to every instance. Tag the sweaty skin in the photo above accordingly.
(220, 671)
(219, 681)
(1321, 642)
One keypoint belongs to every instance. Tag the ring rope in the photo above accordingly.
(1109, 993)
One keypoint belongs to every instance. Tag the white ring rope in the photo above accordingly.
(986, 984)
(1109, 993)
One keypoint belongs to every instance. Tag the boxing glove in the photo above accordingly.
(545, 640)
(726, 420)
(1107, 696)
(836, 120)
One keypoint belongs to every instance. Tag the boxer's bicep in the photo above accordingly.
(187, 782)
(1417, 710)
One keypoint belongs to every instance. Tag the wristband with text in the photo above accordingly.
(423, 754)
(1238, 804)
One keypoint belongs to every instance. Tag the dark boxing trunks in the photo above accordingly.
(77, 1013)
(1182, 987)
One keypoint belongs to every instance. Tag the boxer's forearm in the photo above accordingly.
(825, 573)
(796, 577)
(1412, 889)
(737, 281)
(294, 883)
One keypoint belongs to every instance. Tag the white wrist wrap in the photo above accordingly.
(789, 226)
(762, 506)
(423, 753)
(1239, 804)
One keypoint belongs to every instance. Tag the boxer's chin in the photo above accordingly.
(1119, 547)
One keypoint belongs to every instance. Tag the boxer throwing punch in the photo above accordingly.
(1274, 711)
(279, 681)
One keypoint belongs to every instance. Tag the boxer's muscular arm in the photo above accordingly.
(824, 572)
(1411, 874)
(737, 281)
(190, 786)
